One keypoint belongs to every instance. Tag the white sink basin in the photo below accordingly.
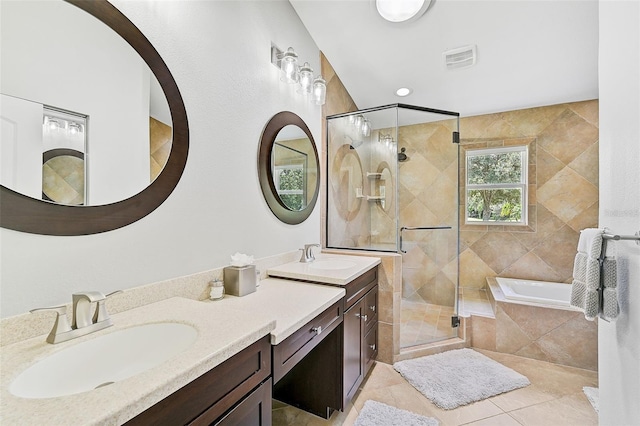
(104, 360)
(332, 264)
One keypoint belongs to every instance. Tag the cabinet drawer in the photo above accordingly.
(295, 347)
(371, 348)
(371, 307)
(357, 288)
(215, 392)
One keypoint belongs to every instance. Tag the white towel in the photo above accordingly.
(610, 307)
(585, 290)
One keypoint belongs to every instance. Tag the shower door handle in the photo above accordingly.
(419, 228)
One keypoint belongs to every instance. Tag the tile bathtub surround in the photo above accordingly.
(563, 193)
(554, 397)
(555, 335)
(195, 286)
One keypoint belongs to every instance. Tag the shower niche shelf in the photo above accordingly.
(372, 175)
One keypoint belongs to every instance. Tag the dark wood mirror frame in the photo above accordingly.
(265, 174)
(25, 214)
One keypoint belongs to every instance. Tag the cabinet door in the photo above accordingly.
(353, 365)
(371, 308)
(254, 410)
(371, 348)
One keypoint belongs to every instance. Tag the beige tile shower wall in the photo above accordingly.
(563, 193)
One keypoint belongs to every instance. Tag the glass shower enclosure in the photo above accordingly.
(393, 185)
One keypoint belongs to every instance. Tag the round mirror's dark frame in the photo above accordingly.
(265, 174)
(22, 213)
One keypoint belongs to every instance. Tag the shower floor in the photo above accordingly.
(422, 323)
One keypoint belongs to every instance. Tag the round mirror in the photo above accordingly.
(73, 84)
(288, 168)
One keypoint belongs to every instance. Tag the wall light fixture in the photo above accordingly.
(287, 62)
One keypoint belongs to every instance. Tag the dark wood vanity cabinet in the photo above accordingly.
(360, 327)
(236, 392)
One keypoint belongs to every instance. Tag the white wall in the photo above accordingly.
(619, 341)
(219, 54)
(54, 54)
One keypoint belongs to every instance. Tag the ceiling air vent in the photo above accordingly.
(462, 57)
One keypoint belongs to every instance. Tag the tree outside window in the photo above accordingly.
(496, 186)
(290, 186)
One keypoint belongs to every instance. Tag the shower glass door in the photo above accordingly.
(428, 171)
(392, 185)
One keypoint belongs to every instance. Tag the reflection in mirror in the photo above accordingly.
(294, 180)
(288, 168)
(119, 108)
(83, 81)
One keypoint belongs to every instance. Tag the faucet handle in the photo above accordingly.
(101, 313)
(61, 325)
(309, 253)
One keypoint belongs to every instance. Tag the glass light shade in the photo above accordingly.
(74, 128)
(358, 122)
(306, 78)
(366, 128)
(289, 66)
(401, 10)
(319, 90)
(53, 124)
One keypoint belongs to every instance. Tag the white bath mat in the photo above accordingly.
(376, 413)
(593, 396)
(459, 377)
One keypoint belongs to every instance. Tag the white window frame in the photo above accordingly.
(522, 185)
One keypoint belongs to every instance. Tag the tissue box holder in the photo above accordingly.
(239, 280)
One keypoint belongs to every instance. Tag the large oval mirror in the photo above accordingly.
(288, 168)
(79, 77)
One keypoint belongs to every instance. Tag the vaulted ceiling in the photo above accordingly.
(529, 52)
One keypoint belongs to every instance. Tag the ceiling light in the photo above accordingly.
(403, 91)
(402, 10)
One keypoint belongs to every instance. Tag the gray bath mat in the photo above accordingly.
(593, 396)
(459, 377)
(375, 413)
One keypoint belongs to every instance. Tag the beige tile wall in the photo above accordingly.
(563, 197)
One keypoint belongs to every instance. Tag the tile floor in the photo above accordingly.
(554, 398)
(422, 323)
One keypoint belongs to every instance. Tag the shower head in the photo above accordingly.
(402, 157)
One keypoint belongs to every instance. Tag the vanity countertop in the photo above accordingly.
(221, 334)
(292, 304)
(327, 268)
(225, 327)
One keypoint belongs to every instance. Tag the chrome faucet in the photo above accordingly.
(307, 253)
(84, 321)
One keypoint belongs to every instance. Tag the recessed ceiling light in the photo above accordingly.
(403, 91)
(402, 10)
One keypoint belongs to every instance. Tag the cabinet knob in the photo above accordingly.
(362, 317)
(373, 308)
(373, 347)
(317, 330)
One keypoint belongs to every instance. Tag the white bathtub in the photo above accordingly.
(541, 292)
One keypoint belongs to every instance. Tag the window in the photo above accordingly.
(290, 184)
(496, 186)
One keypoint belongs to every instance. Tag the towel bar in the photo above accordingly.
(616, 237)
